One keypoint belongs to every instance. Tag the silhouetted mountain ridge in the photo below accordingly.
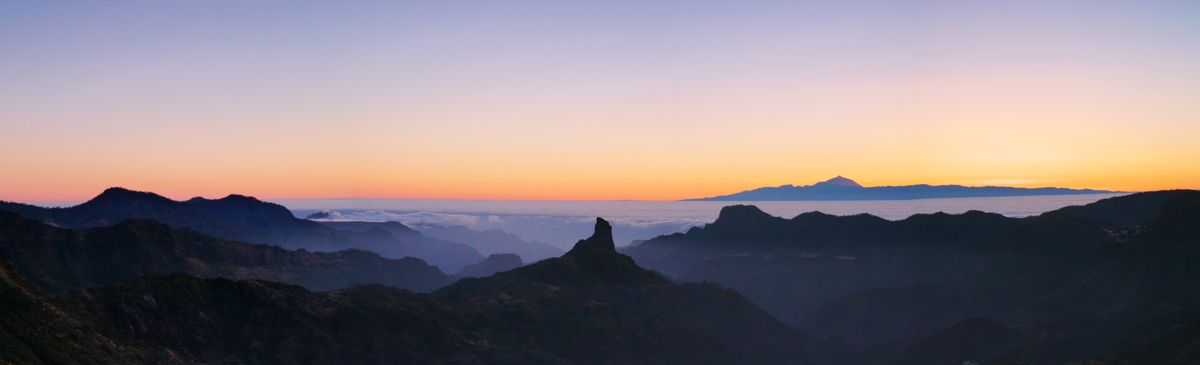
(590, 306)
(839, 181)
(247, 219)
(58, 259)
(841, 188)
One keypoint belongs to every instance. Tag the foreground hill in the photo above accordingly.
(60, 260)
(590, 306)
(841, 188)
(1071, 284)
(246, 219)
(34, 331)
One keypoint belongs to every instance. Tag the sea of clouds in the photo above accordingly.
(561, 231)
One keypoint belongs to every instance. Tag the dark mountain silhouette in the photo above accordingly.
(618, 312)
(841, 188)
(246, 219)
(1071, 284)
(59, 260)
(591, 262)
(1113, 282)
(233, 217)
(492, 264)
(590, 306)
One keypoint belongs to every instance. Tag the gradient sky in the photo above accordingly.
(602, 100)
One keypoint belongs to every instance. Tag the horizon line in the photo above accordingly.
(69, 202)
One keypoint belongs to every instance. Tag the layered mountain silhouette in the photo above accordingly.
(590, 306)
(246, 219)
(1112, 282)
(400, 240)
(841, 188)
(487, 242)
(493, 241)
(59, 260)
(1072, 284)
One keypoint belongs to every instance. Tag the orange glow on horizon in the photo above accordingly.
(602, 190)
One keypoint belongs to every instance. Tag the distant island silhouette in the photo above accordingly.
(842, 188)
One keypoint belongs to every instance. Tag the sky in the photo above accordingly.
(648, 100)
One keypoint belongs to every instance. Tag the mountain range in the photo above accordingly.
(1071, 284)
(590, 306)
(247, 219)
(841, 188)
(486, 242)
(61, 260)
(1111, 282)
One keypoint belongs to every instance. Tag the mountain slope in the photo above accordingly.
(256, 322)
(1179, 345)
(491, 265)
(60, 260)
(841, 188)
(34, 331)
(246, 219)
